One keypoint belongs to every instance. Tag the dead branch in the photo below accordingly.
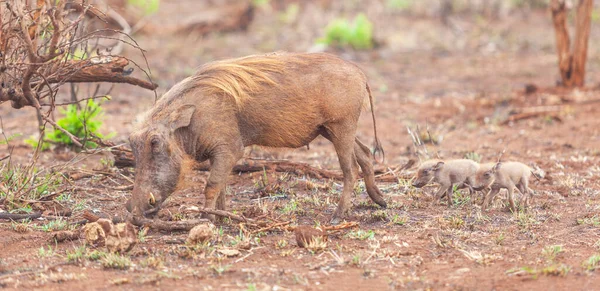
(97, 69)
(340, 226)
(167, 225)
(220, 19)
(15, 216)
(125, 159)
(273, 226)
(38, 53)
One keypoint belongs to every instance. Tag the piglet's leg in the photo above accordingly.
(511, 199)
(489, 197)
(449, 195)
(221, 164)
(440, 193)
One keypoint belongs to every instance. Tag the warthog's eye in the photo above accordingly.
(154, 142)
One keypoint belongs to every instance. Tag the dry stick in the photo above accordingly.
(276, 225)
(15, 216)
(168, 225)
(187, 224)
(437, 152)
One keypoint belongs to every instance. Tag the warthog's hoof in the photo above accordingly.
(380, 202)
(210, 217)
(335, 220)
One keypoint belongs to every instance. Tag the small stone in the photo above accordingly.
(200, 233)
(117, 238)
(229, 252)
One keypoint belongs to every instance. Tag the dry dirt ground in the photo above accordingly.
(462, 81)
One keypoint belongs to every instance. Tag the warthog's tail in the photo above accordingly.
(378, 147)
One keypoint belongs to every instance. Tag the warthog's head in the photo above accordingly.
(159, 156)
(485, 177)
(426, 172)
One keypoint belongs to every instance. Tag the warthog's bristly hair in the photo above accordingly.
(239, 78)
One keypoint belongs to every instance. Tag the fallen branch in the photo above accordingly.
(532, 112)
(276, 225)
(340, 226)
(167, 225)
(125, 159)
(15, 216)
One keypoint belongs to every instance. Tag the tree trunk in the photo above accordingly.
(582, 35)
(572, 66)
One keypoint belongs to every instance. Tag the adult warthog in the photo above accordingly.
(273, 100)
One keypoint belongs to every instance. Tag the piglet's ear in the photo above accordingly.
(496, 167)
(182, 117)
(438, 166)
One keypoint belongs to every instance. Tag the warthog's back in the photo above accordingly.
(283, 99)
(460, 169)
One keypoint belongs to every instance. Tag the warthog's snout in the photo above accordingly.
(418, 184)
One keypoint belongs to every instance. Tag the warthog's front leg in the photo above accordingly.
(221, 165)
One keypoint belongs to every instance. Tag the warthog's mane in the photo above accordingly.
(241, 78)
(238, 79)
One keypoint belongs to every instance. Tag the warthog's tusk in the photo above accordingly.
(152, 200)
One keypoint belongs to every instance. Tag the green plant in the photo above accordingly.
(82, 123)
(290, 207)
(116, 261)
(148, 7)
(260, 3)
(399, 220)
(142, 234)
(592, 221)
(21, 227)
(54, 225)
(282, 243)
(500, 239)
(455, 222)
(76, 256)
(316, 245)
(399, 4)
(358, 34)
(556, 270)
(45, 252)
(459, 198)
(592, 263)
(361, 234)
(355, 260)
(22, 184)
(95, 255)
(473, 156)
(551, 252)
(220, 268)
(379, 215)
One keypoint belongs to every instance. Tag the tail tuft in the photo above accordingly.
(378, 148)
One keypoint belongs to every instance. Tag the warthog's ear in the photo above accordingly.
(438, 166)
(182, 117)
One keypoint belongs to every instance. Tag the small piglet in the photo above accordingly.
(509, 175)
(447, 174)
